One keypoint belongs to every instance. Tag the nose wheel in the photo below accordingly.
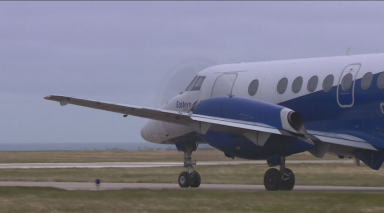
(189, 178)
(275, 180)
(184, 180)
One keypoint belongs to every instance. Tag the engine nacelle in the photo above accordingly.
(246, 109)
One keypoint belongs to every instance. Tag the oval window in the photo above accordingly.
(296, 85)
(328, 83)
(312, 83)
(253, 86)
(346, 83)
(380, 81)
(282, 85)
(366, 81)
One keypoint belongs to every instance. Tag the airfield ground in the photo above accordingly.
(306, 174)
(42, 199)
(113, 155)
(340, 174)
(24, 199)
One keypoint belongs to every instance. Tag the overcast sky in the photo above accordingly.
(143, 53)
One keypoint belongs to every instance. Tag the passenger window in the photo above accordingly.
(312, 83)
(328, 83)
(366, 81)
(191, 84)
(198, 84)
(296, 85)
(282, 85)
(346, 83)
(253, 86)
(380, 81)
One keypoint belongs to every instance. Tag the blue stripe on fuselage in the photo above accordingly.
(365, 119)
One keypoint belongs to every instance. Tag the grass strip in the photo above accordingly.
(36, 200)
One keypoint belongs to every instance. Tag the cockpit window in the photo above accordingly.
(198, 84)
(191, 84)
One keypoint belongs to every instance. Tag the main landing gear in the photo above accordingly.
(189, 178)
(275, 180)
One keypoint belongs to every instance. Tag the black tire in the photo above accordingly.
(184, 180)
(195, 179)
(288, 180)
(272, 180)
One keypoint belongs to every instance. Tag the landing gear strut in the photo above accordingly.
(189, 178)
(275, 180)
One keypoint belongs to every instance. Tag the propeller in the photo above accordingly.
(179, 76)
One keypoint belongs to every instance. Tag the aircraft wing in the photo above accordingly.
(202, 123)
(199, 122)
(156, 114)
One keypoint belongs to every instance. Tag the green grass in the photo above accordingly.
(31, 199)
(84, 156)
(306, 174)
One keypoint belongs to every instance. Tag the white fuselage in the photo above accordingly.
(234, 79)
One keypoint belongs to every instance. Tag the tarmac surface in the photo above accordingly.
(158, 186)
(147, 164)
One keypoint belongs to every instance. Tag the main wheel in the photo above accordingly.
(184, 179)
(288, 180)
(272, 179)
(195, 179)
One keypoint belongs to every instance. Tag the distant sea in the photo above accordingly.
(86, 146)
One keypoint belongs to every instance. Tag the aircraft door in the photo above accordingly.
(224, 84)
(346, 85)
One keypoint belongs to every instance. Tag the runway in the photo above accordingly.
(158, 186)
(148, 164)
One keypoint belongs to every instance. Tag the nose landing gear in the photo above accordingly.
(189, 178)
(275, 180)
(192, 179)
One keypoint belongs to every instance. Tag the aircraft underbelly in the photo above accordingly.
(240, 146)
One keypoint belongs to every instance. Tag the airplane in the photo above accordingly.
(270, 110)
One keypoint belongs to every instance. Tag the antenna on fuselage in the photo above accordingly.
(349, 51)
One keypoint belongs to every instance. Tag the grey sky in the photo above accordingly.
(143, 53)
